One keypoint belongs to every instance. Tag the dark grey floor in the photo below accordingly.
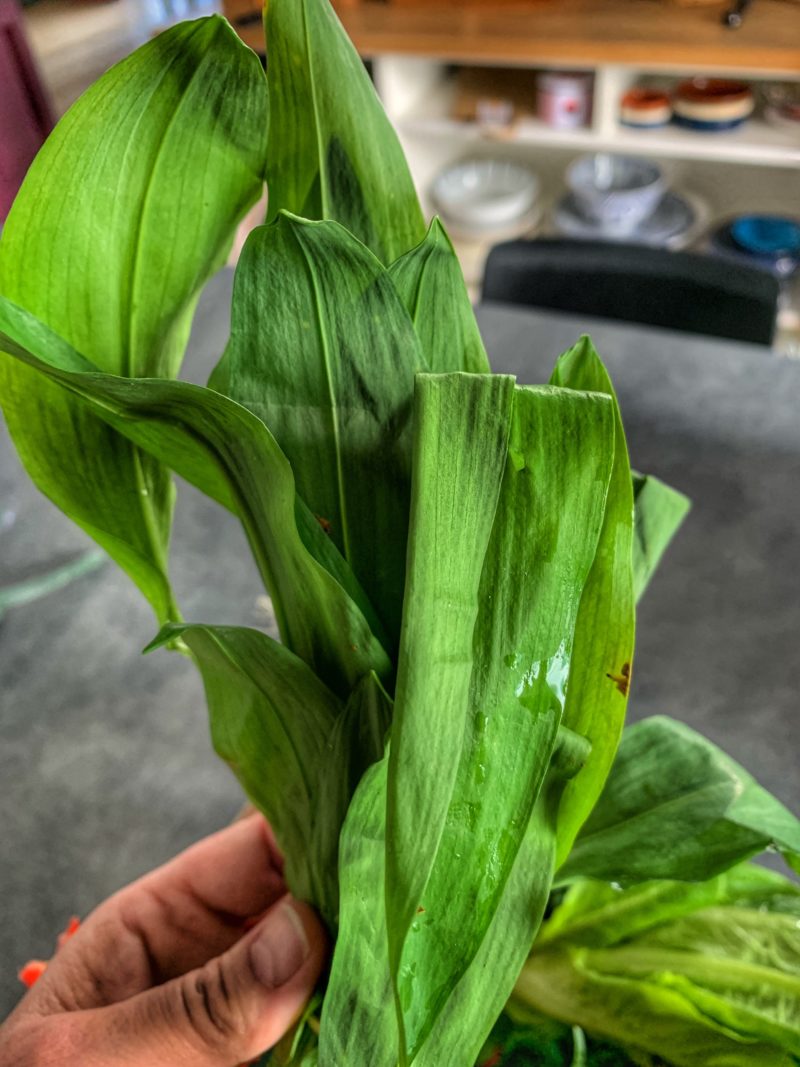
(105, 763)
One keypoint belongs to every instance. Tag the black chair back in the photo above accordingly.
(677, 290)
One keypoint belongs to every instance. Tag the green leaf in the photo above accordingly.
(738, 965)
(705, 973)
(431, 285)
(228, 452)
(648, 1015)
(676, 807)
(658, 512)
(126, 211)
(600, 670)
(270, 717)
(599, 914)
(488, 982)
(491, 600)
(324, 352)
(357, 740)
(359, 1025)
(332, 151)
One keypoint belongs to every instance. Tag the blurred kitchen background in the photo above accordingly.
(660, 125)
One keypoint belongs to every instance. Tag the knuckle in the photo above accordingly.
(211, 1010)
(38, 1042)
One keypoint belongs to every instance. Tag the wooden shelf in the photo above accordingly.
(583, 33)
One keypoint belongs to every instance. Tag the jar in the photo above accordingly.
(564, 99)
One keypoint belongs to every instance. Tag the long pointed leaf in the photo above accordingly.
(488, 982)
(126, 211)
(270, 717)
(332, 151)
(357, 741)
(324, 352)
(430, 282)
(225, 449)
(600, 671)
(659, 511)
(359, 1024)
(486, 646)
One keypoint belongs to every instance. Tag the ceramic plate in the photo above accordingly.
(666, 227)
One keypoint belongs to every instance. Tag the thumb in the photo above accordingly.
(228, 1011)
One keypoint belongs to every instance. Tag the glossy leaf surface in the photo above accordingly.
(485, 987)
(126, 211)
(228, 452)
(485, 653)
(430, 282)
(324, 352)
(675, 806)
(600, 670)
(332, 151)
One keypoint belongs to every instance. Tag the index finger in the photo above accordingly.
(168, 922)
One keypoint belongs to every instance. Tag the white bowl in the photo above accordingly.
(619, 191)
(485, 192)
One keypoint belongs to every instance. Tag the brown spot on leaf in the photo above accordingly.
(324, 523)
(623, 679)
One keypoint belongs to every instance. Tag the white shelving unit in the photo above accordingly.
(755, 167)
(757, 142)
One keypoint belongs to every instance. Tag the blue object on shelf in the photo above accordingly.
(707, 126)
(767, 235)
(723, 243)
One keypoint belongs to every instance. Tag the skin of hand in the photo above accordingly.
(205, 962)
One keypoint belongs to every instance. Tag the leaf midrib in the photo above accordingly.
(673, 801)
(333, 406)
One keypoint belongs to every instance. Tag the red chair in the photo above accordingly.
(25, 114)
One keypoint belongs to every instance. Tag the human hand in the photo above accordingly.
(205, 962)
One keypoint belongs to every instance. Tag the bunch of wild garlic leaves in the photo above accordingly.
(453, 560)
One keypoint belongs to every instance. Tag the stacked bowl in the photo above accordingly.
(622, 198)
(712, 104)
(487, 199)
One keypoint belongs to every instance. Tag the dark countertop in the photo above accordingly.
(105, 762)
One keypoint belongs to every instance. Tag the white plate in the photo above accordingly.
(668, 227)
(485, 193)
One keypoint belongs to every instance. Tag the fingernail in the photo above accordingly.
(281, 948)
